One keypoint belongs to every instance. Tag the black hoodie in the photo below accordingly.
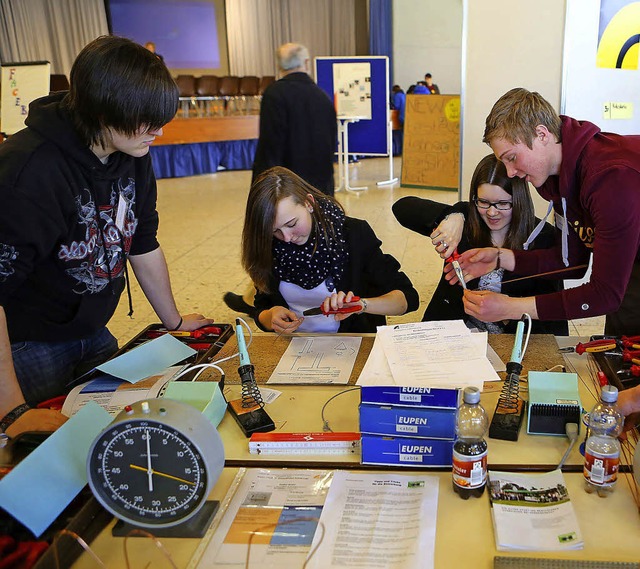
(58, 208)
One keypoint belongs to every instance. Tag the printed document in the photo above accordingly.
(532, 512)
(442, 354)
(268, 520)
(378, 521)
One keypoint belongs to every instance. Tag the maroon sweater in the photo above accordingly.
(600, 180)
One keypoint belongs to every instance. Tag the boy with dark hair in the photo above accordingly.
(79, 196)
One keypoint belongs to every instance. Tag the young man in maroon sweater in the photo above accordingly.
(592, 180)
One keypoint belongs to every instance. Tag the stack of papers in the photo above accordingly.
(442, 354)
(532, 512)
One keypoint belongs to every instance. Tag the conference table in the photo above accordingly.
(464, 534)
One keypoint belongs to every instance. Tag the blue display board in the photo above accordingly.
(366, 137)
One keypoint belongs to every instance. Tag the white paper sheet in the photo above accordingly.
(378, 521)
(113, 394)
(428, 354)
(317, 359)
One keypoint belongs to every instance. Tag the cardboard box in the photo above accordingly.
(408, 421)
(406, 451)
(410, 396)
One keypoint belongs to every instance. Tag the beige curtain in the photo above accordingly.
(255, 28)
(51, 30)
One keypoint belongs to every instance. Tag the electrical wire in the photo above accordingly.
(325, 423)
(571, 430)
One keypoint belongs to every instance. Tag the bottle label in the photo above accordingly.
(601, 469)
(469, 471)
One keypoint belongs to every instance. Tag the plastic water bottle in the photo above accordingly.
(602, 451)
(470, 448)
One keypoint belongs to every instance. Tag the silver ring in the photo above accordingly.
(444, 244)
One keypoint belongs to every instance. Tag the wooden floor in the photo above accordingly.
(201, 222)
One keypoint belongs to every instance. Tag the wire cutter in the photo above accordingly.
(344, 310)
(453, 259)
(603, 345)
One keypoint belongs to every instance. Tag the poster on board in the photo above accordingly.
(352, 90)
(431, 151)
(601, 76)
(21, 83)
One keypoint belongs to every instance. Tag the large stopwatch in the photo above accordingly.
(155, 465)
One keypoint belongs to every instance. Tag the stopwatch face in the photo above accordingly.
(147, 473)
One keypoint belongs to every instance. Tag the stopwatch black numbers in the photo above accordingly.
(148, 472)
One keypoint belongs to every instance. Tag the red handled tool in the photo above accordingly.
(453, 259)
(344, 310)
(634, 371)
(596, 346)
(199, 333)
(629, 355)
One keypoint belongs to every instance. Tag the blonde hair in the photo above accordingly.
(515, 116)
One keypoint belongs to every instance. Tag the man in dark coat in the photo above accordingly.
(298, 130)
(298, 125)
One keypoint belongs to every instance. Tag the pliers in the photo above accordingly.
(198, 333)
(594, 346)
(453, 259)
(344, 310)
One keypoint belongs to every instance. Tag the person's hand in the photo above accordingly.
(447, 235)
(284, 320)
(36, 420)
(485, 305)
(474, 263)
(338, 300)
(191, 322)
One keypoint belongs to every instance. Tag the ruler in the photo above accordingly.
(305, 443)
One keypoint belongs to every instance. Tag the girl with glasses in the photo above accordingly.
(500, 214)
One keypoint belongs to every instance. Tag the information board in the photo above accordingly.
(431, 151)
(368, 136)
(21, 83)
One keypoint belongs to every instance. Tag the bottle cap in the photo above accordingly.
(609, 394)
(471, 395)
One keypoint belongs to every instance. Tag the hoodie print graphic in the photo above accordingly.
(7, 255)
(92, 264)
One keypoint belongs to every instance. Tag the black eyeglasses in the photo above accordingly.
(485, 204)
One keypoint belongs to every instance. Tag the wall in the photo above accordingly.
(427, 38)
(499, 57)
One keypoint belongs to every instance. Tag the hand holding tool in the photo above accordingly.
(453, 259)
(357, 307)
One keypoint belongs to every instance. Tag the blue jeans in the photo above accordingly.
(49, 369)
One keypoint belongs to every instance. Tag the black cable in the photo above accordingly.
(325, 423)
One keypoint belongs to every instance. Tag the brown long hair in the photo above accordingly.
(267, 191)
(491, 171)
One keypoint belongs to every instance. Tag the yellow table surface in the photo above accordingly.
(464, 535)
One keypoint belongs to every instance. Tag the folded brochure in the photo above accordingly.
(533, 512)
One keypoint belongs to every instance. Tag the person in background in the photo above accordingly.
(398, 102)
(499, 213)
(298, 130)
(301, 251)
(78, 201)
(421, 89)
(150, 46)
(298, 123)
(592, 180)
(433, 88)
